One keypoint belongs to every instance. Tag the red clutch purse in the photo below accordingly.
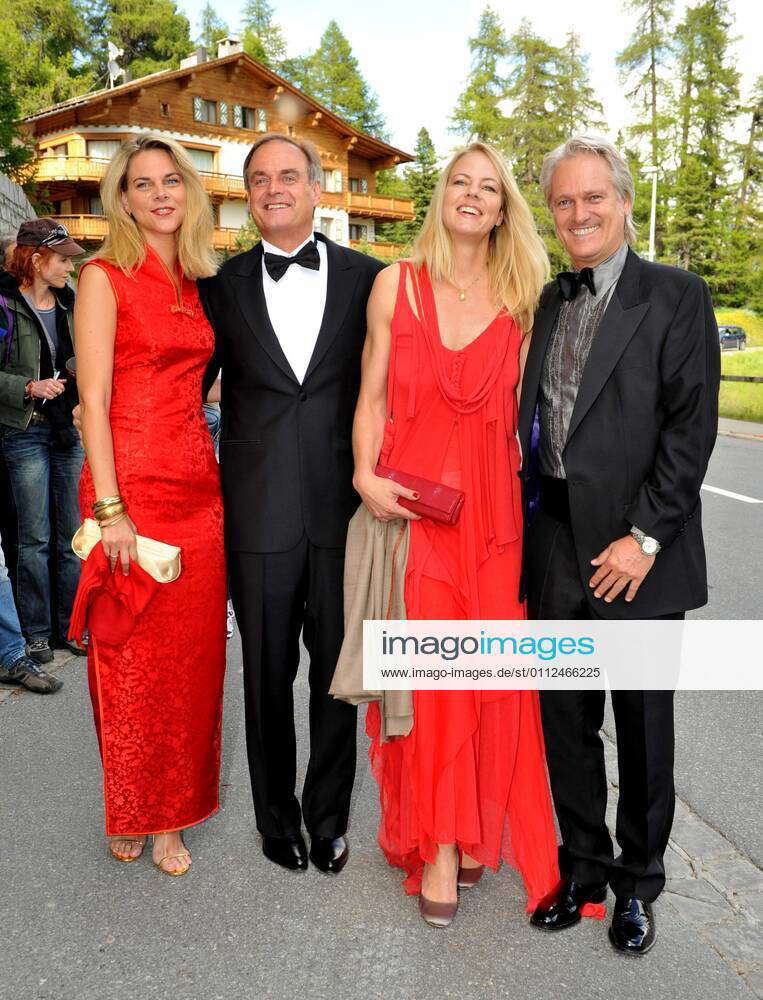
(439, 502)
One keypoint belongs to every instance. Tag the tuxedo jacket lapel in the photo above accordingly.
(545, 318)
(250, 296)
(622, 318)
(340, 288)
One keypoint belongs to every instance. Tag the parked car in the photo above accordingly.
(732, 337)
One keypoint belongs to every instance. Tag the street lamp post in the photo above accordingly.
(653, 217)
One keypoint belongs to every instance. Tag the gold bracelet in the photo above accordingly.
(114, 520)
(107, 512)
(105, 501)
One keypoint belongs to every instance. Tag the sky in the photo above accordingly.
(415, 54)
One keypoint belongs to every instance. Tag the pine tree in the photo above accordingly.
(704, 210)
(576, 104)
(211, 28)
(153, 33)
(643, 63)
(16, 150)
(477, 114)
(260, 37)
(332, 76)
(422, 178)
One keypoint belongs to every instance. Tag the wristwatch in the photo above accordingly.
(649, 546)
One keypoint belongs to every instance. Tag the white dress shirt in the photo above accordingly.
(296, 304)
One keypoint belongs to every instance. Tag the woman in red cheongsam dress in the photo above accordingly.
(143, 343)
(468, 785)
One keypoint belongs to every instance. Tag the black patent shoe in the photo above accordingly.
(329, 854)
(26, 673)
(561, 908)
(633, 929)
(288, 852)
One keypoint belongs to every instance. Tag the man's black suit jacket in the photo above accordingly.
(286, 460)
(642, 430)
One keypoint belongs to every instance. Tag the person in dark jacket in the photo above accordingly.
(39, 442)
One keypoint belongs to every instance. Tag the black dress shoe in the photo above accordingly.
(329, 854)
(633, 928)
(288, 852)
(561, 908)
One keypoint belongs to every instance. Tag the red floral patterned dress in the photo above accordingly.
(157, 700)
(472, 771)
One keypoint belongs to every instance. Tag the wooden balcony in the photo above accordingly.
(93, 228)
(70, 170)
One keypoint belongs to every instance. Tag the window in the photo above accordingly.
(358, 232)
(359, 185)
(222, 112)
(61, 150)
(238, 119)
(95, 206)
(326, 227)
(203, 159)
(102, 149)
(332, 181)
(164, 109)
(204, 111)
(262, 120)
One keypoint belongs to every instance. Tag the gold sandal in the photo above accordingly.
(126, 840)
(167, 857)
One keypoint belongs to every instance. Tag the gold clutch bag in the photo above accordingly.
(160, 560)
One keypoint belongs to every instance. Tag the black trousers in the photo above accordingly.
(276, 596)
(575, 753)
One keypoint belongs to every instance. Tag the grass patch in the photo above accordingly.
(751, 323)
(742, 400)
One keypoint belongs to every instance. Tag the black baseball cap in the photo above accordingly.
(48, 233)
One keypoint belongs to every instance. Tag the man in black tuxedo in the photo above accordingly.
(290, 320)
(618, 419)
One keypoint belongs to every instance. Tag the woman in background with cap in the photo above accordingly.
(39, 442)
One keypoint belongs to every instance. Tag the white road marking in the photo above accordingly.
(728, 493)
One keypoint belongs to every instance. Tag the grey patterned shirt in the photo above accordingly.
(566, 356)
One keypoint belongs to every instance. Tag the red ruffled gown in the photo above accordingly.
(472, 771)
(157, 700)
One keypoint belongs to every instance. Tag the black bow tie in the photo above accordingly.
(308, 256)
(570, 281)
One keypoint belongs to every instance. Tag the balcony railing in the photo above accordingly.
(91, 228)
(389, 250)
(88, 168)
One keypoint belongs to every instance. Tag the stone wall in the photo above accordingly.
(14, 207)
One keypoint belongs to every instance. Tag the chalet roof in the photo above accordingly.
(365, 145)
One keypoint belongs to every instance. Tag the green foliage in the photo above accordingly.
(422, 178)
(477, 115)
(247, 236)
(16, 150)
(574, 100)
(211, 29)
(260, 37)
(332, 76)
(43, 45)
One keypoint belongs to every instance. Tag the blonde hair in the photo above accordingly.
(124, 246)
(517, 261)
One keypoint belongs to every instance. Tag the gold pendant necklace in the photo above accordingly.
(462, 291)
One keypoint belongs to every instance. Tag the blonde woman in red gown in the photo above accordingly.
(143, 343)
(467, 787)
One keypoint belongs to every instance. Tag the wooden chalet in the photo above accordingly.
(215, 108)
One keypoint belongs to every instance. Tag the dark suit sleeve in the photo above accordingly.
(690, 375)
(206, 294)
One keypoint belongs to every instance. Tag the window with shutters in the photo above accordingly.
(222, 112)
(359, 185)
(204, 111)
(332, 181)
(237, 116)
(262, 120)
(358, 232)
